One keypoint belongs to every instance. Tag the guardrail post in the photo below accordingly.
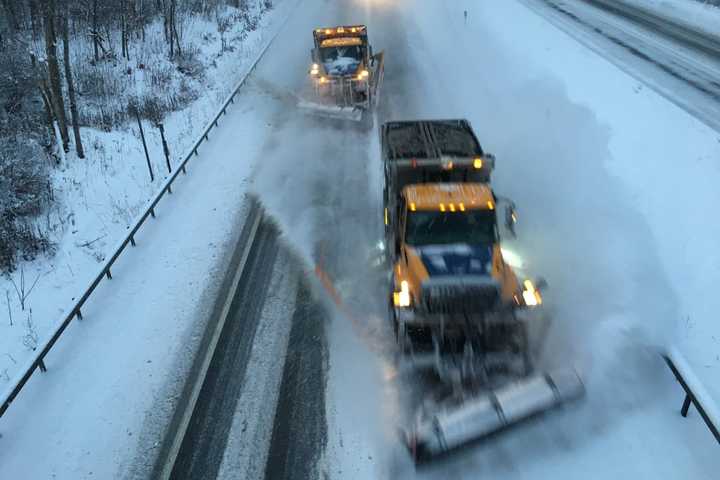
(195, 151)
(183, 169)
(132, 240)
(215, 122)
(686, 406)
(41, 364)
(169, 189)
(108, 274)
(152, 212)
(78, 313)
(205, 136)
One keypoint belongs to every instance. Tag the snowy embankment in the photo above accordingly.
(99, 197)
(702, 17)
(115, 377)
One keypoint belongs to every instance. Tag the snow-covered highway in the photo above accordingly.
(613, 183)
(679, 69)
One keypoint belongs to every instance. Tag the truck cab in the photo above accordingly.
(341, 51)
(448, 266)
(344, 71)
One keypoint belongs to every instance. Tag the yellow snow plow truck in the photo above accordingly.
(457, 307)
(345, 74)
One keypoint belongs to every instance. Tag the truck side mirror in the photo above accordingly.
(540, 284)
(313, 55)
(511, 218)
(490, 159)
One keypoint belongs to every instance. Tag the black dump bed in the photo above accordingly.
(429, 139)
(432, 151)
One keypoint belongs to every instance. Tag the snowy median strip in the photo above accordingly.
(105, 271)
(251, 432)
(662, 20)
(200, 379)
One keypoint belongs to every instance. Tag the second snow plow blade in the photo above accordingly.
(480, 416)
(331, 111)
(339, 98)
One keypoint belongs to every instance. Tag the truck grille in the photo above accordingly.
(456, 296)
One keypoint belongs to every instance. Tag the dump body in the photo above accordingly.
(433, 151)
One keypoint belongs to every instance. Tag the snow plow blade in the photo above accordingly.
(480, 416)
(331, 111)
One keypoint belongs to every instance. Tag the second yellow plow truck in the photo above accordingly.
(458, 309)
(345, 73)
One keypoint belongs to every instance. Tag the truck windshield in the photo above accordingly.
(341, 60)
(436, 228)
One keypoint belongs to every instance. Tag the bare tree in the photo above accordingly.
(54, 73)
(31, 337)
(10, 10)
(171, 28)
(7, 300)
(95, 33)
(71, 90)
(20, 290)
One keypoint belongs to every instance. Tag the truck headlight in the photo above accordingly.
(531, 295)
(363, 75)
(315, 69)
(402, 298)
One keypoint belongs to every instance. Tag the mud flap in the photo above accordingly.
(480, 416)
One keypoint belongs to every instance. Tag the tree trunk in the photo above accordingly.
(32, 6)
(142, 136)
(11, 13)
(45, 95)
(170, 20)
(95, 30)
(123, 53)
(71, 90)
(54, 73)
(166, 150)
(177, 37)
(124, 30)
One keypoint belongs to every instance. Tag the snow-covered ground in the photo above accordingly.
(704, 17)
(97, 198)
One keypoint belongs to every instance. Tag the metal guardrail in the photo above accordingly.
(691, 397)
(682, 32)
(105, 272)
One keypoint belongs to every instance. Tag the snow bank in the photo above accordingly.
(99, 197)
